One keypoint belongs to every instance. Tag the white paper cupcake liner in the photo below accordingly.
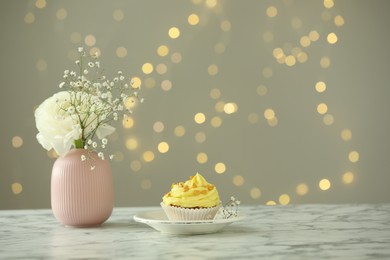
(184, 214)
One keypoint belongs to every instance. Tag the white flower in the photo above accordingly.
(62, 84)
(56, 127)
(80, 49)
(83, 158)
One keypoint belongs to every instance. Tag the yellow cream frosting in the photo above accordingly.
(196, 192)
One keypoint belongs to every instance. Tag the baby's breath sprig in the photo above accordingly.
(94, 101)
(230, 208)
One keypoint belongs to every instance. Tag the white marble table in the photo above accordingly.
(269, 232)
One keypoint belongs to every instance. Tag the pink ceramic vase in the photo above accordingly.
(81, 197)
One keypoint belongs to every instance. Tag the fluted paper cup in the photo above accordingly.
(186, 214)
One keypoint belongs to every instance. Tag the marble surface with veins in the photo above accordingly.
(268, 232)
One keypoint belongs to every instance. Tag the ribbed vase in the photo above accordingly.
(81, 196)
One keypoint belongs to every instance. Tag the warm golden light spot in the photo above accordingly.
(226, 26)
(314, 36)
(148, 156)
(332, 38)
(118, 15)
(302, 189)
(267, 72)
(127, 122)
(320, 86)
(176, 57)
(158, 127)
(219, 106)
(146, 184)
(328, 3)
(268, 37)
(238, 180)
(16, 188)
(353, 156)
(94, 51)
(302, 57)
(166, 85)
(338, 20)
(130, 102)
(290, 60)
(278, 53)
(229, 108)
(219, 48)
(179, 131)
(121, 52)
(135, 82)
(202, 158)
(211, 3)
(212, 70)
(162, 50)
(305, 41)
(135, 165)
(90, 40)
(150, 82)
(346, 134)
(328, 119)
(261, 90)
(147, 68)
(40, 4)
(272, 11)
(322, 108)
(348, 177)
(270, 203)
(174, 32)
(273, 121)
(269, 113)
(220, 168)
(29, 18)
(163, 147)
(200, 118)
(17, 141)
(131, 144)
(200, 137)
(296, 23)
(118, 156)
(41, 65)
(161, 68)
(324, 184)
(193, 19)
(253, 118)
(255, 193)
(52, 154)
(75, 37)
(61, 14)
(284, 199)
(215, 93)
(216, 122)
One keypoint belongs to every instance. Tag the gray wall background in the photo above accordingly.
(263, 162)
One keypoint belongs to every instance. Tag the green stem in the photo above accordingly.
(79, 144)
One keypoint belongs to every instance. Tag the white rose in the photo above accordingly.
(57, 129)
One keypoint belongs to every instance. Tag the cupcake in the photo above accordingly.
(195, 199)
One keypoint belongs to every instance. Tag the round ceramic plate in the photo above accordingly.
(159, 221)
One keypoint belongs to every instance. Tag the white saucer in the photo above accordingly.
(159, 221)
